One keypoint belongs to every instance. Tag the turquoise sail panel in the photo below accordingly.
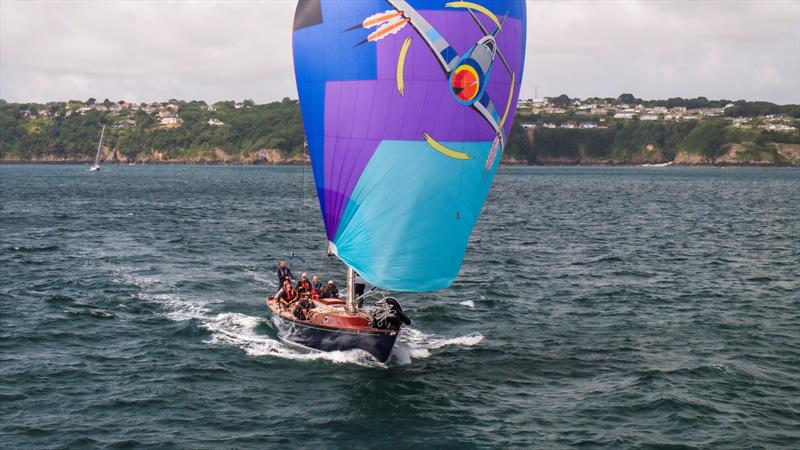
(407, 224)
(407, 106)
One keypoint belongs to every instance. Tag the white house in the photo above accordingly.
(214, 122)
(125, 123)
(781, 128)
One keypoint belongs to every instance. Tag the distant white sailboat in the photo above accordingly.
(96, 166)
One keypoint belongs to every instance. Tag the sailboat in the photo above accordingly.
(96, 166)
(407, 112)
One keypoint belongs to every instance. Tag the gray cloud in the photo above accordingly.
(145, 51)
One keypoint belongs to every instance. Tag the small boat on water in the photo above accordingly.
(404, 141)
(96, 166)
(666, 164)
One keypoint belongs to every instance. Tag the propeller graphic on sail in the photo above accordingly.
(407, 106)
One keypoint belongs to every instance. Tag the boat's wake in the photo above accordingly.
(258, 336)
(251, 334)
(414, 344)
(242, 331)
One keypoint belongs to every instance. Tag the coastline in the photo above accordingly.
(542, 163)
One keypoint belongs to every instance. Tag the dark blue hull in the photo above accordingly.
(378, 343)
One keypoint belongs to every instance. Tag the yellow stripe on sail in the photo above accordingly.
(444, 150)
(508, 104)
(401, 62)
(476, 7)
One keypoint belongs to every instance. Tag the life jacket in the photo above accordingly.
(291, 294)
(315, 288)
(305, 285)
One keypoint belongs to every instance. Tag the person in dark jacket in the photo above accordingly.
(330, 291)
(283, 272)
(360, 285)
(302, 308)
(304, 286)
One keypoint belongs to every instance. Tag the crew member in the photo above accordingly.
(302, 308)
(330, 291)
(283, 272)
(316, 287)
(304, 286)
(287, 295)
(360, 285)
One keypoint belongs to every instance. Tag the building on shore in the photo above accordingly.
(125, 123)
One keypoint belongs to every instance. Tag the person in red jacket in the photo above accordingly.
(304, 286)
(287, 295)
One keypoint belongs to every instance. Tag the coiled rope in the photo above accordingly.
(381, 312)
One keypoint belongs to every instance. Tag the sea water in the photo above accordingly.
(596, 307)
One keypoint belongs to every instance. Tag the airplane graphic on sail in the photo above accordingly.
(468, 73)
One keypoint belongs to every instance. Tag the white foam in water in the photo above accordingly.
(239, 330)
(177, 308)
(467, 303)
(414, 344)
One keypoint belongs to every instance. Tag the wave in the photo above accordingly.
(32, 248)
(467, 303)
(415, 344)
(178, 309)
(258, 276)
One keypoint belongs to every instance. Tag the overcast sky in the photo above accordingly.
(147, 51)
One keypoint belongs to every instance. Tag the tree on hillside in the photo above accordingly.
(707, 139)
(626, 98)
(91, 101)
(562, 101)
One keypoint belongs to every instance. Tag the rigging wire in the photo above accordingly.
(302, 251)
(303, 204)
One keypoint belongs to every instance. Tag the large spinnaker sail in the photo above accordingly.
(407, 106)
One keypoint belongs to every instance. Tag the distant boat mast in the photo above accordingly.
(96, 166)
(99, 145)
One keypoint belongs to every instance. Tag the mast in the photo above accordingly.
(99, 145)
(351, 290)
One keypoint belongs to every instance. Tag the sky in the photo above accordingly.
(154, 51)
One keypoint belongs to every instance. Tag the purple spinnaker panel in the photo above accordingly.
(361, 113)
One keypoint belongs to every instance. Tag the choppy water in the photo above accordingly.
(597, 307)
